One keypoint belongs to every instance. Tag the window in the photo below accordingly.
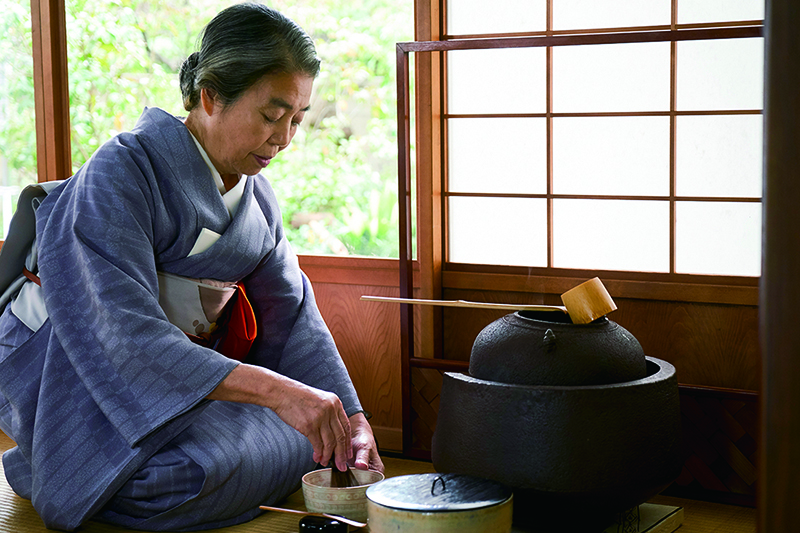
(337, 182)
(624, 144)
(123, 57)
(17, 124)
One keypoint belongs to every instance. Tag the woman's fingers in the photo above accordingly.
(344, 441)
(372, 460)
(366, 450)
(317, 444)
(329, 442)
(362, 461)
(337, 440)
(317, 414)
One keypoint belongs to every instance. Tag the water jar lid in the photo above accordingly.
(438, 492)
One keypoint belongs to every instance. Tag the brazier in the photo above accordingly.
(572, 454)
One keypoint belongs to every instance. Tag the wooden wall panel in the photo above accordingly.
(720, 437)
(367, 335)
(426, 387)
(711, 345)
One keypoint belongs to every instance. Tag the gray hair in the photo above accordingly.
(242, 44)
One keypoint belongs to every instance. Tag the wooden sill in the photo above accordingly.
(346, 270)
(642, 289)
(384, 272)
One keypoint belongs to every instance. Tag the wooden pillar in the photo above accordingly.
(779, 461)
(406, 245)
(424, 339)
(429, 177)
(51, 90)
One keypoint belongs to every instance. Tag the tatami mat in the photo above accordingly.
(17, 514)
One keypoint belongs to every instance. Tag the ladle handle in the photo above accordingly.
(342, 519)
(467, 304)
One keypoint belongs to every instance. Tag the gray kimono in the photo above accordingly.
(105, 400)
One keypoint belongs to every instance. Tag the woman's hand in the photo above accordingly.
(364, 446)
(320, 416)
(317, 414)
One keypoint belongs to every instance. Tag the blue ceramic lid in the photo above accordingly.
(438, 492)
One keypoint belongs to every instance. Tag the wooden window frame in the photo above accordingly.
(661, 286)
(657, 285)
(51, 89)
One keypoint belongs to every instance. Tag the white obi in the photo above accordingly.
(193, 305)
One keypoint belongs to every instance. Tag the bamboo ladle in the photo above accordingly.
(585, 303)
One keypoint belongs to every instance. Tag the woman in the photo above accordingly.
(118, 415)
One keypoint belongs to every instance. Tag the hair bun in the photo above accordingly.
(190, 64)
(187, 80)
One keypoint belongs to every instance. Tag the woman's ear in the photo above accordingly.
(208, 100)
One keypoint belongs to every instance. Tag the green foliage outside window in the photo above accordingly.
(337, 181)
(17, 123)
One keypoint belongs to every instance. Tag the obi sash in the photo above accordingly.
(214, 314)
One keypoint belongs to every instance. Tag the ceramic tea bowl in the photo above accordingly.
(350, 502)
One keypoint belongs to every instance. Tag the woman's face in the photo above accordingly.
(242, 138)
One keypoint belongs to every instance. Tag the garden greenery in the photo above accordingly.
(336, 183)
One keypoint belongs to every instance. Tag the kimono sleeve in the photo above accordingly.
(293, 338)
(98, 271)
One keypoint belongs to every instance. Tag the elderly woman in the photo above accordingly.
(112, 382)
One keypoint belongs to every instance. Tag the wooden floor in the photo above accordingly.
(17, 514)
